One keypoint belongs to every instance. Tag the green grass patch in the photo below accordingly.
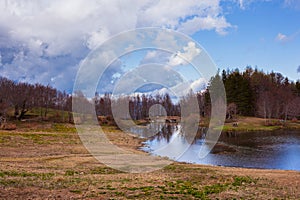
(76, 191)
(57, 128)
(214, 189)
(184, 169)
(43, 176)
(184, 188)
(104, 170)
(241, 180)
(8, 182)
(63, 128)
(258, 124)
(70, 172)
(5, 138)
(47, 138)
(246, 128)
(51, 113)
(119, 193)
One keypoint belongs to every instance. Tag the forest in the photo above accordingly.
(249, 93)
(259, 94)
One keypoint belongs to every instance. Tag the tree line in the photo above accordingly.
(267, 95)
(138, 105)
(22, 97)
(249, 93)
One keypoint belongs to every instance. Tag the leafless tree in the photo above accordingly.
(231, 111)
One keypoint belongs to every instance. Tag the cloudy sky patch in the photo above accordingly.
(45, 41)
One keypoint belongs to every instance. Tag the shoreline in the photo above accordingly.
(219, 148)
(262, 129)
(250, 124)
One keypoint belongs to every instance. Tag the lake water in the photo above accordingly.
(269, 150)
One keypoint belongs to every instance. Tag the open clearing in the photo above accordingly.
(48, 161)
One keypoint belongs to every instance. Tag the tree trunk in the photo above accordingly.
(16, 111)
(23, 111)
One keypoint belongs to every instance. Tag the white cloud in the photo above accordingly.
(199, 85)
(183, 14)
(61, 23)
(281, 37)
(49, 38)
(218, 23)
(0, 59)
(183, 88)
(245, 3)
(151, 55)
(147, 74)
(286, 38)
(156, 56)
(241, 2)
(181, 58)
(96, 38)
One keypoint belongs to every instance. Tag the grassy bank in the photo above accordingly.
(48, 161)
(245, 124)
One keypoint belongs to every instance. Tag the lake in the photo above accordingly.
(268, 150)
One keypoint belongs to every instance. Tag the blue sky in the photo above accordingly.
(256, 39)
(46, 41)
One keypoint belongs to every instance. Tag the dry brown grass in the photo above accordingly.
(259, 124)
(45, 164)
(8, 126)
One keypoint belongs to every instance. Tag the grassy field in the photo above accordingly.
(47, 161)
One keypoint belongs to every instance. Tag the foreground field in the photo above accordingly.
(48, 161)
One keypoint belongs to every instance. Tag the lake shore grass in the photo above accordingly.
(48, 161)
(246, 124)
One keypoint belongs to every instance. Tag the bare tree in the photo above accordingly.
(293, 108)
(231, 111)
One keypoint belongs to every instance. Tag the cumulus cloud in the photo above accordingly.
(156, 56)
(199, 85)
(195, 24)
(181, 58)
(150, 75)
(150, 55)
(44, 41)
(168, 14)
(96, 38)
(185, 87)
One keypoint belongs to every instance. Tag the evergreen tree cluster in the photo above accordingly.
(268, 95)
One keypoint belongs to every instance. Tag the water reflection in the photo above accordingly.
(272, 150)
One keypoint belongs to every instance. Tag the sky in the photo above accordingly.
(47, 41)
